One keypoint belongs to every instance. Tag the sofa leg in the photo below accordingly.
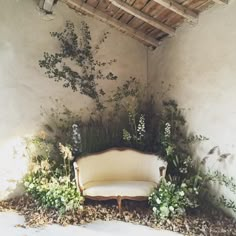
(119, 204)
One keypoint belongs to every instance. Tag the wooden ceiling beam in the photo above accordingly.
(144, 17)
(179, 9)
(79, 5)
(221, 1)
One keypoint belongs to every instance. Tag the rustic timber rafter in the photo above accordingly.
(221, 1)
(144, 17)
(79, 5)
(179, 9)
(148, 21)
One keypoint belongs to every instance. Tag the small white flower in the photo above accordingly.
(171, 208)
(181, 193)
(31, 185)
(158, 201)
(154, 209)
(183, 185)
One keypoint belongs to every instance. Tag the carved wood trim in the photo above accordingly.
(162, 171)
(78, 185)
(118, 199)
(117, 149)
(102, 198)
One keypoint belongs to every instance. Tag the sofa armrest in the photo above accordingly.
(78, 185)
(162, 170)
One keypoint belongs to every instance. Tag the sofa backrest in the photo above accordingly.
(120, 164)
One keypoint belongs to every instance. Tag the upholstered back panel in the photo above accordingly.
(122, 165)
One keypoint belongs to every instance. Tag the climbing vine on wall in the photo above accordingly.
(75, 64)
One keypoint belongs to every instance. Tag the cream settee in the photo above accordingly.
(118, 174)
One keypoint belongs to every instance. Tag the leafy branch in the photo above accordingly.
(75, 63)
(218, 177)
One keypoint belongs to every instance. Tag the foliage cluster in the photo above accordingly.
(217, 178)
(132, 120)
(172, 143)
(49, 181)
(75, 64)
(171, 200)
(53, 192)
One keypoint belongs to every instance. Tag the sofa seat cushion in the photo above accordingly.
(118, 188)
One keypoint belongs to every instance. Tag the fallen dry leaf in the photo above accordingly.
(205, 221)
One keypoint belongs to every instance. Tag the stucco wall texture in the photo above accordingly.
(24, 87)
(200, 64)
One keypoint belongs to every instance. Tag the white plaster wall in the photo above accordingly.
(200, 64)
(24, 36)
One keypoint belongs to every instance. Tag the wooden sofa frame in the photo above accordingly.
(119, 199)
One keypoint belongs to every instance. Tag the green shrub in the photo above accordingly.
(58, 193)
(49, 180)
(170, 199)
